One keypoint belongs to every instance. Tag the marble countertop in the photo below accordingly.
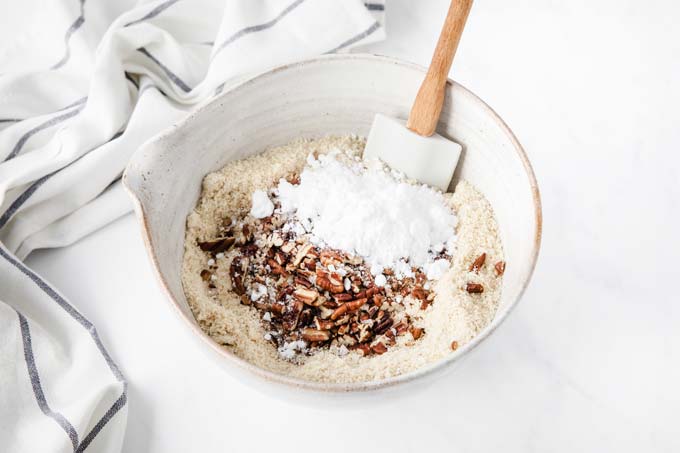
(590, 359)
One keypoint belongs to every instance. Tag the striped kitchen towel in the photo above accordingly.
(82, 85)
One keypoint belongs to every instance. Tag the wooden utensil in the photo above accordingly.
(413, 148)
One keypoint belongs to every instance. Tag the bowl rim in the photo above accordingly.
(351, 387)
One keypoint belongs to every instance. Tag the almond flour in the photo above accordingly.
(326, 326)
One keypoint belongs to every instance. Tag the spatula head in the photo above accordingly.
(429, 160)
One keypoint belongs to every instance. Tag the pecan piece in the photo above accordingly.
(340, 311)
(277, 309)
(500, 268)
(305, 317)
(277, 269)
(379, 348)
(330, 257)
(355, 304)
(474, 288)
(382, 326)
(280, 258)
(302, 282)
(454, 345)
(301, 254)
(478, 263)
(419, 293)
(308, 264)
(237, 283)
(401, 328)
(245, 300)
(247, 234)
(291, 315)
(364, 348)
(417, 332)
(323, 283)
(365, 333)
(323, 324)
(217, 245)
(343, 297)
(336, 285)
(306, 295)
(287, 247)
(324, 312)
(310, 334)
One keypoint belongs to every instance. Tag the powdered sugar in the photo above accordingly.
(371, 211)
(289, 350)
(262, 205)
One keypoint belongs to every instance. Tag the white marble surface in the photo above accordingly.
(590, 360)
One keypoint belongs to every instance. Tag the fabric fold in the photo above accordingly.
(80, 90)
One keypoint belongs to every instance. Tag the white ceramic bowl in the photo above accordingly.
(336, 94)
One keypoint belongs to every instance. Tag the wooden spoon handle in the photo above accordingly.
(428, 104)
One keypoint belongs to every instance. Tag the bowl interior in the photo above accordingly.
(329, 95)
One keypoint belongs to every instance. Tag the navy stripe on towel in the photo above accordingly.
(37, 385)
(375, 6)
(80, 20)
(122, 399)
(49, 123)
(171, 75)
(154, 12)
(255, 28)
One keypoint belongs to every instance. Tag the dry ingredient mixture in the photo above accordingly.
(307, 261)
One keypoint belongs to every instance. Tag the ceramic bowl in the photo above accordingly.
(336, 94)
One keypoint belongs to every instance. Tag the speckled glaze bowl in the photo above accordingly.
(335, 94)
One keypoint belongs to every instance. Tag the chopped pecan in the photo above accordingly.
(355, 304)
(340, 311)
(245, 300)
(302, 282)
(291, 315)
(306, 295)
(401, 328)
(474, 288)
(343, 297)
(305, 317)
(365, 333)
(277, 269)
(417, 332)
(301, 253)
(364, 349)
(217, 245)
(323, 324)
(237, 284)
(379, 348)
(382, 325)
(500, 268)
(310, 334)
(478, 263)
(324, 312)
(277, 309)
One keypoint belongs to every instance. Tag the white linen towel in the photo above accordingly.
(82, 85)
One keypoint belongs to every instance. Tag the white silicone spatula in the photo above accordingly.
(412, 147)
